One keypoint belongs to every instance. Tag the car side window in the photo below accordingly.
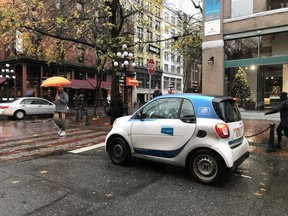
(187, 109)
(27, 101)
(164, 108)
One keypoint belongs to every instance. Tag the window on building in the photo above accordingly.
(139, 61)
(139, 33)
(167, 45)
(178, 70)
(241, 8)
(172, 82)
(173, 69)
(149, 21)
(166, 68)
(140, 17)
(276, 4)
(166, 56)
(158, 38)
(178, 59)
(172, 32)
(172, 57)
(166, 30)
(166, 16)
(166, 82)
(269, 45)
(80, 54)
(158, 65)
(149, 36)
(140, 47)
(157, 11)
(178, 84)
(173, 20)
(157, 25)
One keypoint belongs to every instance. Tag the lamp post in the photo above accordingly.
(8, 74)
(125, 58)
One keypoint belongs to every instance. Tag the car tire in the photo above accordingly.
(19, 114)
(119, 151)
(206, 167)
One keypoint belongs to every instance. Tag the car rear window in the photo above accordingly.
(227, 110)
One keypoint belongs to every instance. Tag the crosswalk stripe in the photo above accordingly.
(77, 151)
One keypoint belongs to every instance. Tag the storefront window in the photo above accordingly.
(257, 47)
(265, 82)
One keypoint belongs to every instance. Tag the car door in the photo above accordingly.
(44, 107)
(27, 106)
(163, 127)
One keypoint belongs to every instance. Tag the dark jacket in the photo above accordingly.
(116, 107)
(156, 93)
(283, 109)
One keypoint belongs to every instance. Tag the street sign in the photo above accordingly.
(153, 49)
(151, 66)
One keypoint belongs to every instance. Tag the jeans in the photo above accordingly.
(59, 119)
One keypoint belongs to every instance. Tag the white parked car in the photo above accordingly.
(203, 133)
(26, 106)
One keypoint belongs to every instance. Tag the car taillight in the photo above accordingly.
(222, 130)
(4, 107)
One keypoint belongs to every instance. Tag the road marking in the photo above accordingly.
(76, 151)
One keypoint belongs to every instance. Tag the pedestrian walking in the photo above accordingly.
(156, 92)
(283, 125)
(116, 107)
(61, 102)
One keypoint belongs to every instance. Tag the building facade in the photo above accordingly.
(249, 35)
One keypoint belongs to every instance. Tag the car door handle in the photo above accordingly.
(189, 119)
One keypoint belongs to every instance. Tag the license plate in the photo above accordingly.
(238, 132)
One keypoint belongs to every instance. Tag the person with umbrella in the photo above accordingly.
(61, 102)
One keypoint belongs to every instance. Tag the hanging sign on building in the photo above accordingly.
(211, 17)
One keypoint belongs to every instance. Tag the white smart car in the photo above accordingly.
(201, 132)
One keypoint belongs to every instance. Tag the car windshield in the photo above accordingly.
(229, 111)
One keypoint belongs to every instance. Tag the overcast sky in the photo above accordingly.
(185, 5)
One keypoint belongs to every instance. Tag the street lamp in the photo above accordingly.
(8, 74)
(125, 57)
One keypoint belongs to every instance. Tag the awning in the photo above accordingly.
(2, 79)
(104, 85)
(80, 84)
(131, 82)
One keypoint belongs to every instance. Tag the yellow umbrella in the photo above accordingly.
(55, 81)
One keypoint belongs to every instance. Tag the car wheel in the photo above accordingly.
(119, 151)
(19, 114)
(206, 167)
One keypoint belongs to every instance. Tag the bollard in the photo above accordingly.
(87, 117)
(271, 144)
(76, 114)
(95, 114)
(80, 112)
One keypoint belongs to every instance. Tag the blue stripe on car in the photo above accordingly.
(160, 153)
(236, 142)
